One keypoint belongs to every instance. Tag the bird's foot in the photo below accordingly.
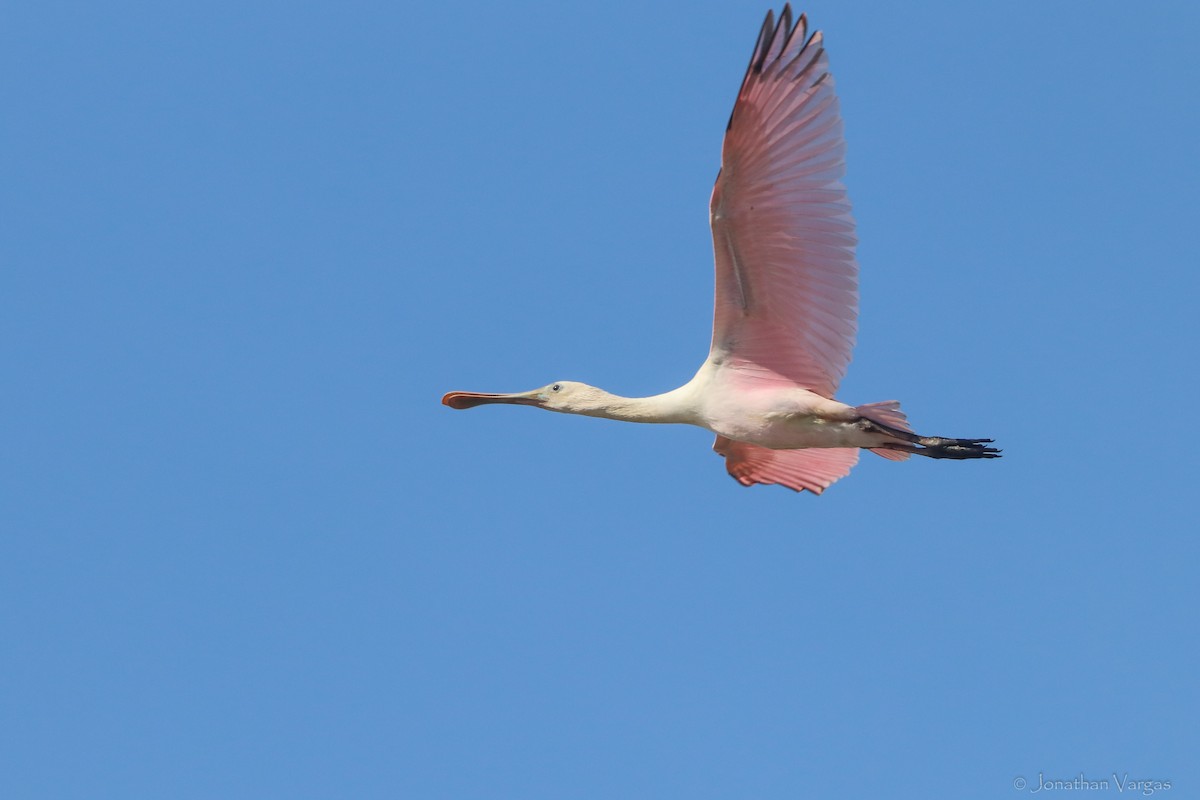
(941, 447)
(931, 446)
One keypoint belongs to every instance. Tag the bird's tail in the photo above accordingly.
(887, 413)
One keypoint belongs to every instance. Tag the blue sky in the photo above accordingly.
(244, 249)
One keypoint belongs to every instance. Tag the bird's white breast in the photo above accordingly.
(784, 419)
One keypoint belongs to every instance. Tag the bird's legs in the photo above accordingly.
(932, 446)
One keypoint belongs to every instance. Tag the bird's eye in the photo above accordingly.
(556, 387)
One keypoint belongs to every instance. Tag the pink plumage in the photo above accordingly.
(783, 237)
(811, 469)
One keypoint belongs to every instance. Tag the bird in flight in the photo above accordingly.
(786, 295)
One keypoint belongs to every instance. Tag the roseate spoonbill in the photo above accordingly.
(786, 294)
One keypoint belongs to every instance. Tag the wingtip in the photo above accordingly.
(765, 35)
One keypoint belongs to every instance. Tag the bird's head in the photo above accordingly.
(570, 397)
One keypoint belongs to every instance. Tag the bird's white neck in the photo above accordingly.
(673, 406)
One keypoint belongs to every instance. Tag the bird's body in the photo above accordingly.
(786, 295)
(781, 418)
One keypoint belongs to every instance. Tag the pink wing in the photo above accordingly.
(813, 470)
(783, 237)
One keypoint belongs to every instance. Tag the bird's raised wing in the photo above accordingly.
(783, 237)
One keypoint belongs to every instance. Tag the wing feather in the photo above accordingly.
(783, 236)
(799, 470)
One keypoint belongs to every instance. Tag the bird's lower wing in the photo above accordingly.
(813, 469)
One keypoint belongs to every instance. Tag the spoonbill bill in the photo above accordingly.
(786, 294)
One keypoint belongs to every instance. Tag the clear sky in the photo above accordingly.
(245, 552)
